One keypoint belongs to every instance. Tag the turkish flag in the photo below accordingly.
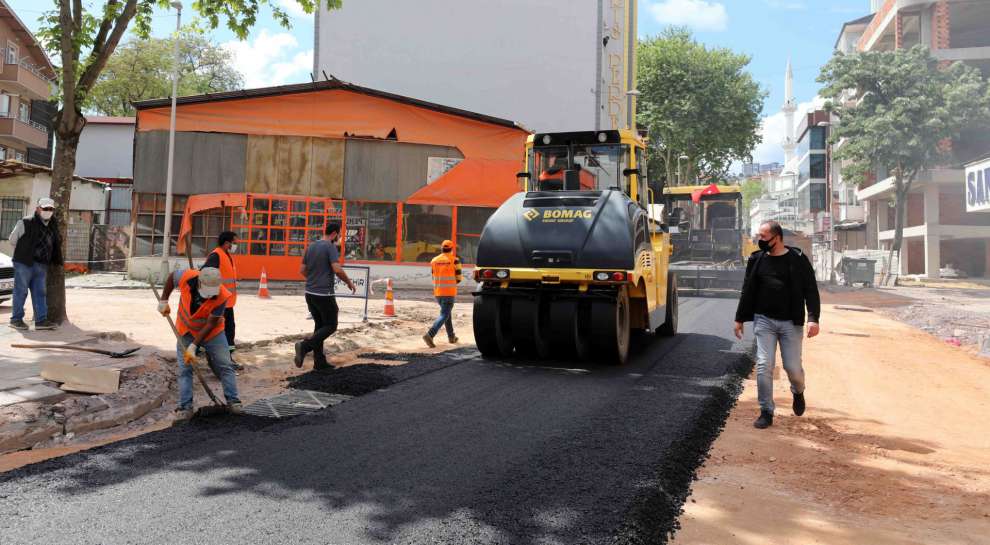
(710, 190)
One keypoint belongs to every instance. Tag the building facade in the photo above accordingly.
(106, 153)
(938, 233)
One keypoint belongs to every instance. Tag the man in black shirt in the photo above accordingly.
(779, 283)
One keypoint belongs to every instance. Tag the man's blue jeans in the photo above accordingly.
(446, 310)
(219, 358)
(769, 333)
(30, 277)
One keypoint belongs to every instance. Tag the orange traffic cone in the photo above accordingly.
(263, 286)
(389, 304)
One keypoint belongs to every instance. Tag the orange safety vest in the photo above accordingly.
(228, 274)
(446, 274)
(192, 323)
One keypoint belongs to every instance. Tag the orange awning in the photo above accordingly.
(198, 203)
(473, 182)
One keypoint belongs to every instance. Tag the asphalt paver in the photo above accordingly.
(444, 449)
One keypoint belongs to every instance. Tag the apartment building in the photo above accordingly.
(938, 230)
(26, 80)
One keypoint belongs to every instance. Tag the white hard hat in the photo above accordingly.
(45, 202)
(209, 281)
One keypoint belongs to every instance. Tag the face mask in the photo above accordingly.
(233, 248)
(764, 245)
(46, 214)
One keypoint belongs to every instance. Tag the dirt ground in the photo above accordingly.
(894, 446)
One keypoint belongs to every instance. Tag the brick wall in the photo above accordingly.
(941, 38)
(915, 210)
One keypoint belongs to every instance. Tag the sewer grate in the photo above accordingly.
(294, 403)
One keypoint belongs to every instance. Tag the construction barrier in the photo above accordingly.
(389, 296)
(263, 286)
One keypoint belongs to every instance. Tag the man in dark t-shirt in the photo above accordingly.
(779, 283)
(320, 264)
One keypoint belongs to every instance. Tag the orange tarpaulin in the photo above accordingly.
(710, 190)
(198, 203)
(330, 113)
(472, 182)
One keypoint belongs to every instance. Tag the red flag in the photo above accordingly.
(710, 190)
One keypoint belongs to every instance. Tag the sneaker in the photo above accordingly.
(19, 324)
(236, 366)
(44, 324)
(236, 408)
(429, 341)
(798, 404)
(300, 354)
(764, 421)
(452, 340)
(183, 415)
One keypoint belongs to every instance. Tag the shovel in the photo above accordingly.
(124, 354)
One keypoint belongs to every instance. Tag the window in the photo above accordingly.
(150, 228)
(18, 155)
(817, 138)
(370, 231)
(280, 227)
(4, 105)
(25, 112)
(3, 153)
(910, 30)
(817, 167)
(11, 53)
(11, 210)
(470, 223)
(424, 228)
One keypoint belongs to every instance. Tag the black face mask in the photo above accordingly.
(764, 245)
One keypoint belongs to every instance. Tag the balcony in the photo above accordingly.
(17, 133)
(26, 78)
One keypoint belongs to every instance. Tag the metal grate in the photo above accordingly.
(294, 403)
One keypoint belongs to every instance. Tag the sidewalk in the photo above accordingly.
(894, 447)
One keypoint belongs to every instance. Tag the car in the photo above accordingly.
(6, 277)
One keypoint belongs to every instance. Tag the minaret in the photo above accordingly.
(789, 144)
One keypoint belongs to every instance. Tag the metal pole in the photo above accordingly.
(167, 241)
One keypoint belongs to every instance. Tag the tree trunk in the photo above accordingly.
(900, 207)
(63, 170)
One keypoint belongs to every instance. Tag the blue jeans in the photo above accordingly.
(769, 333)
(30, 277)
(446, 309)
(219, 359)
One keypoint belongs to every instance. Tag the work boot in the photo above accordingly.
(44, 325)
(19, 324)
(429, 341)
(452, 340)
(798, 404)
(183, 415)
(236, 408)
(300, 354)
(764, 421)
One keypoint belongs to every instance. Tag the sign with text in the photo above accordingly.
(978, 187)
(618, 65)
(361, 276)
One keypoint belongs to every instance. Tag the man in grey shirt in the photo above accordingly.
(320, 264)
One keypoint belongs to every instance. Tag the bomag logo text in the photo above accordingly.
(566, 214)
(530, 214)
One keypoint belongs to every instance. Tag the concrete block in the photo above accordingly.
(36, 392)
(81, 379)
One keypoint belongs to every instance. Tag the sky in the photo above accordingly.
(770, 31)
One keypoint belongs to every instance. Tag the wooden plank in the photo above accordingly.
(328, 168)
(294, 170)
(261, 171)
(81, 379)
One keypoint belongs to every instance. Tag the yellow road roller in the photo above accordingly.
(576, 262)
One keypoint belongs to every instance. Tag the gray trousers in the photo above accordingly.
(769, 333)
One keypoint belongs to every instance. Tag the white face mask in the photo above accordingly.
(46, 214)
(233, 248)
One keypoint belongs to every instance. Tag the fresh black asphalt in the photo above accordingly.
(451, 449)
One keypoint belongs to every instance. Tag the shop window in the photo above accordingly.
(11, 210)
(424, 228)
(370, 231)
(282, 227)
(470, 223)
(150, 224)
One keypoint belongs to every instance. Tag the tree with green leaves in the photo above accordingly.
(85, 35)
(899, 112)
(141, 69)
(697, 102)
(751, 190)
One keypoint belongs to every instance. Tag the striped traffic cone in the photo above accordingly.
(263, 286)
(389, 302)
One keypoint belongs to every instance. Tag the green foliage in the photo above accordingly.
(142, 68)
(697, 102)
(751, 189)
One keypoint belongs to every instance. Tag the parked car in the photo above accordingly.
(6, 277)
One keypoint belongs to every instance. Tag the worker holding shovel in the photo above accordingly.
(202, 301)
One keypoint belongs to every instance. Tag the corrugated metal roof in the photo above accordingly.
(333, 84)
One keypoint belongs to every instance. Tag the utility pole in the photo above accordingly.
(167, 241)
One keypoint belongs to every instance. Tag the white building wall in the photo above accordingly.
(531, 61)
(106, 151)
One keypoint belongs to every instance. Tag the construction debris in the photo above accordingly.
(82, 379)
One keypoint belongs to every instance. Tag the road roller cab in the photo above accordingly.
(578, 259)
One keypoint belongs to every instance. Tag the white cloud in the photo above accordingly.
(786, 4)
(773, 131)
(294, 9)
(270, 59)
(697, 14)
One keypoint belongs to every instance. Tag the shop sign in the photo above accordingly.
(978, 187)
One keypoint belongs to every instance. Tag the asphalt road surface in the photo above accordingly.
(442, 450)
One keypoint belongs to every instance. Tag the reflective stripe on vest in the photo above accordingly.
(192, 323)
(444, 276)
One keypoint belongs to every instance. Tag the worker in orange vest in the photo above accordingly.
(220, 258)
(446, 271)
(202, 300)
